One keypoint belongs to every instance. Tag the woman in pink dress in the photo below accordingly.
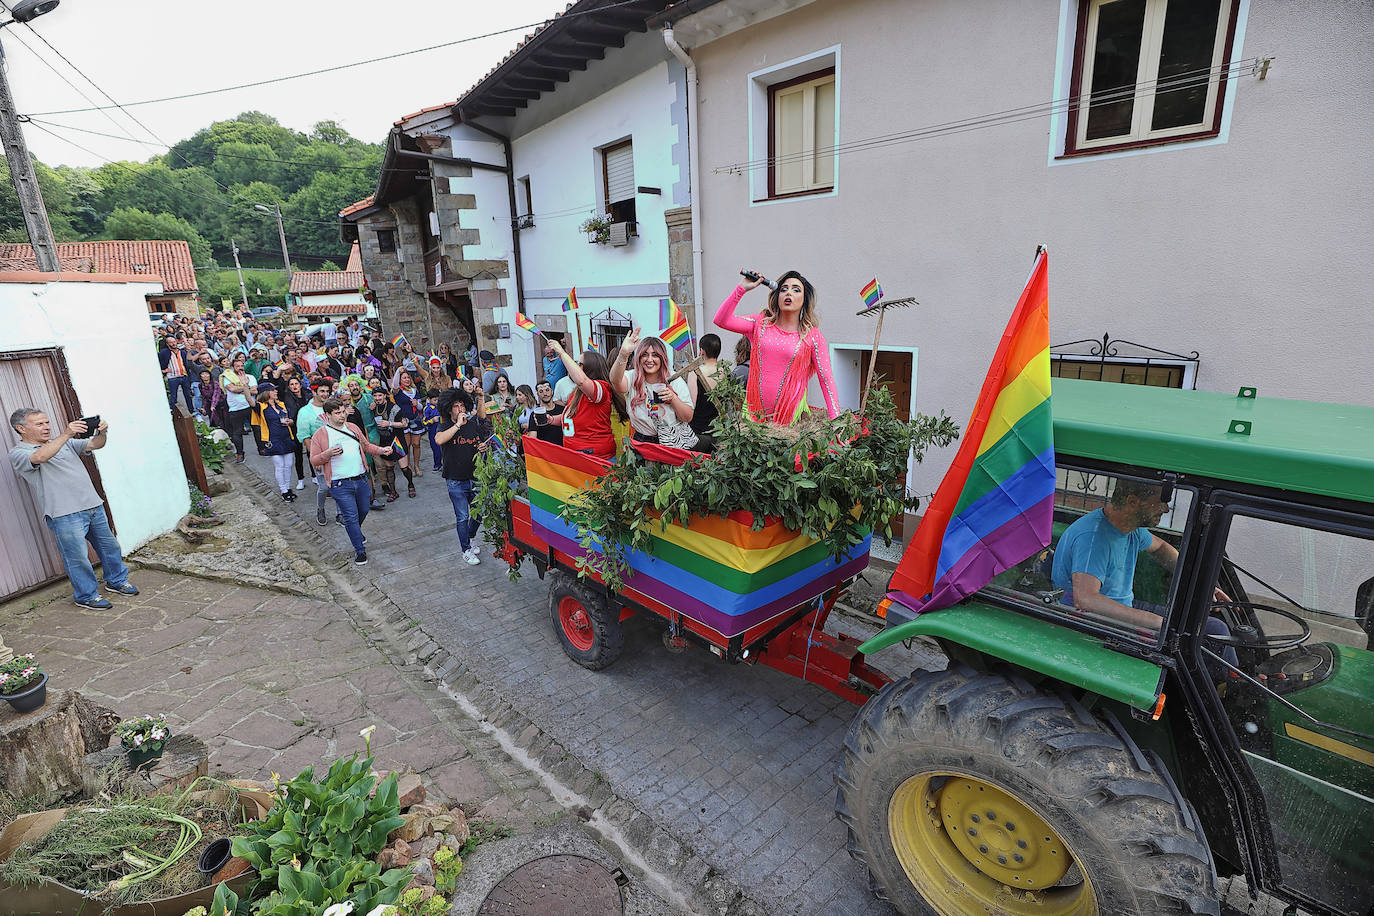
(788, 347)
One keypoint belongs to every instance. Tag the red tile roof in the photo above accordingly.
(355, 207)
(323, 310)
(326, 281)
(168, 261)
(416, 114)
(355, 258)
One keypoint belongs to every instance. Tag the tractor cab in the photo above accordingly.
(1235, 660)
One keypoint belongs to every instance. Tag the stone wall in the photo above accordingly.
(680, 282)
(396, 278)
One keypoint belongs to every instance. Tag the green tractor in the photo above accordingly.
(1072, 760)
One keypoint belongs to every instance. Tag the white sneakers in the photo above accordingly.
(470, 556)
(476, 550)
(300, 485)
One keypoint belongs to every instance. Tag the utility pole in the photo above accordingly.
(281, 234)
(243, 289)
(25, 181)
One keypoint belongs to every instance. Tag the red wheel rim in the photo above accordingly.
(577, 626)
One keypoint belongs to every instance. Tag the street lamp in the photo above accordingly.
(17, 151)
(281, 232)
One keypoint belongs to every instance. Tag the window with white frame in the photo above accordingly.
(1148, 72)
(618, 181)
(801, 115)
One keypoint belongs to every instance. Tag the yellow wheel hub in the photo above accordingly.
(972, 847)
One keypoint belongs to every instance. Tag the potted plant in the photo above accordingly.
(598, 228)
(143, 737)
(23, 683)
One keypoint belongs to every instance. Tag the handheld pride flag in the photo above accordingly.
(871, 293)
(398, 340)
(524, 324)
(996, 504)
(668, 313)
(397, 449)
(678, 335)
(570, 303)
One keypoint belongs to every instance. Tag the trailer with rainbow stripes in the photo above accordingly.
(752, 596)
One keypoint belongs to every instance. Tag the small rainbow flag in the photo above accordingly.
(570, 303)
(398, 340)
(462, 371)
(678, 335)
(995, 506)
(397, 449)
(524, 324)
(668, 313)
(871, 293)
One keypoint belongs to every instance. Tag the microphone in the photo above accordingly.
(753, 275)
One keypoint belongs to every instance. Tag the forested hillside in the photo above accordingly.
(204, 190)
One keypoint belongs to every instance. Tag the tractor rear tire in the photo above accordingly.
(946, 775)
(587, 627)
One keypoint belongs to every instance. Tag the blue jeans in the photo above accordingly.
(352, 499)
(460, 493)
(73, 531)
(180, 383)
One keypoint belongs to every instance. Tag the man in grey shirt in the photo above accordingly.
(62, 487)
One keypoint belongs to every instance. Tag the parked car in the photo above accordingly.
(267, 311)
(158, 319)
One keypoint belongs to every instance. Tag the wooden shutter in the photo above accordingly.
(620, 172)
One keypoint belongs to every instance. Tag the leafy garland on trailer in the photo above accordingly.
(500, 475)
(833, 480)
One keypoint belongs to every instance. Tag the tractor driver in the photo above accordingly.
(1094, 561)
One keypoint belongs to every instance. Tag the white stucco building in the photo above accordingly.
(75, 345)
(587, 117)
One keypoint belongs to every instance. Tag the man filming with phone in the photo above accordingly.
(71, 507)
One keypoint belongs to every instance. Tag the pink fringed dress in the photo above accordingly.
(780, 365)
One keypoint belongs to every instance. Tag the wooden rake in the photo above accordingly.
(880, 309)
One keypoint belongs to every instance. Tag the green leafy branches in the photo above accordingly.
(500, 477)
(832, 480)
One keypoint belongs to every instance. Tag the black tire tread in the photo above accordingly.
(609, 638)
(1055, 741)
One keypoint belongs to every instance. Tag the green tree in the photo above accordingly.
(331, 132)
(320, 202)
(128, 223)
(57, 199)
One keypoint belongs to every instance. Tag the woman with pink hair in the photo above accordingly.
(788, 347)
(659, 411)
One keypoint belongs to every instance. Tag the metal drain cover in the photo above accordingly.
(556, 886)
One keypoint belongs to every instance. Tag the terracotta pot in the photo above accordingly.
(232, 869)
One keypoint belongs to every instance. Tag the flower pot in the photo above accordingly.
(215, 857)
(32, 697)
(149, 752)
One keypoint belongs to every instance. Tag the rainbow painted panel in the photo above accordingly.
(716, 570)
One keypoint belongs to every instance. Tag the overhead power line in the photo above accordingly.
(349, 66)
(1192, 79)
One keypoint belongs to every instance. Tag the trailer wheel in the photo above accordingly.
(589, 630)
(976, 793)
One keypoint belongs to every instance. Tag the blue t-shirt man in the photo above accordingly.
(1095, 546)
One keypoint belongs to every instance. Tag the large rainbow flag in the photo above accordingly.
(716, 570)
(995, 506)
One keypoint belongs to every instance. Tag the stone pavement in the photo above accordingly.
(714, 768)
(271, 683)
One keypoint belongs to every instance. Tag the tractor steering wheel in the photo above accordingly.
(1248, 637)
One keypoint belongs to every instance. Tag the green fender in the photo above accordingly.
(1029, 642)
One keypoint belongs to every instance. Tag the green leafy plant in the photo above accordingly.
(19, 673)
(200, 503)
(597, 227)
(413, 904)
(143, 732)
(214, 452)
(315, 847)
(447, 867)
(832, 480)
(500, 476)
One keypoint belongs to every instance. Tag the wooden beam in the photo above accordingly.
(494, 98)
(621, 18)
(583, 49)
(557, 74)
(502, 90)
(495, 111)
(517, 82)
(553, 57)
(606, 36)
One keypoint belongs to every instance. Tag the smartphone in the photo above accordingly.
(92, 423)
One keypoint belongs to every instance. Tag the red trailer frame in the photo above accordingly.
(794, 642)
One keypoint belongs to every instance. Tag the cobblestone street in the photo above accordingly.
(735, 762)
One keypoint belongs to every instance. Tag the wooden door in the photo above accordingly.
(28, 554)
(894, 374)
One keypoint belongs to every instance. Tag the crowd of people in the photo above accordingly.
(358, 409)
(300, 398)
